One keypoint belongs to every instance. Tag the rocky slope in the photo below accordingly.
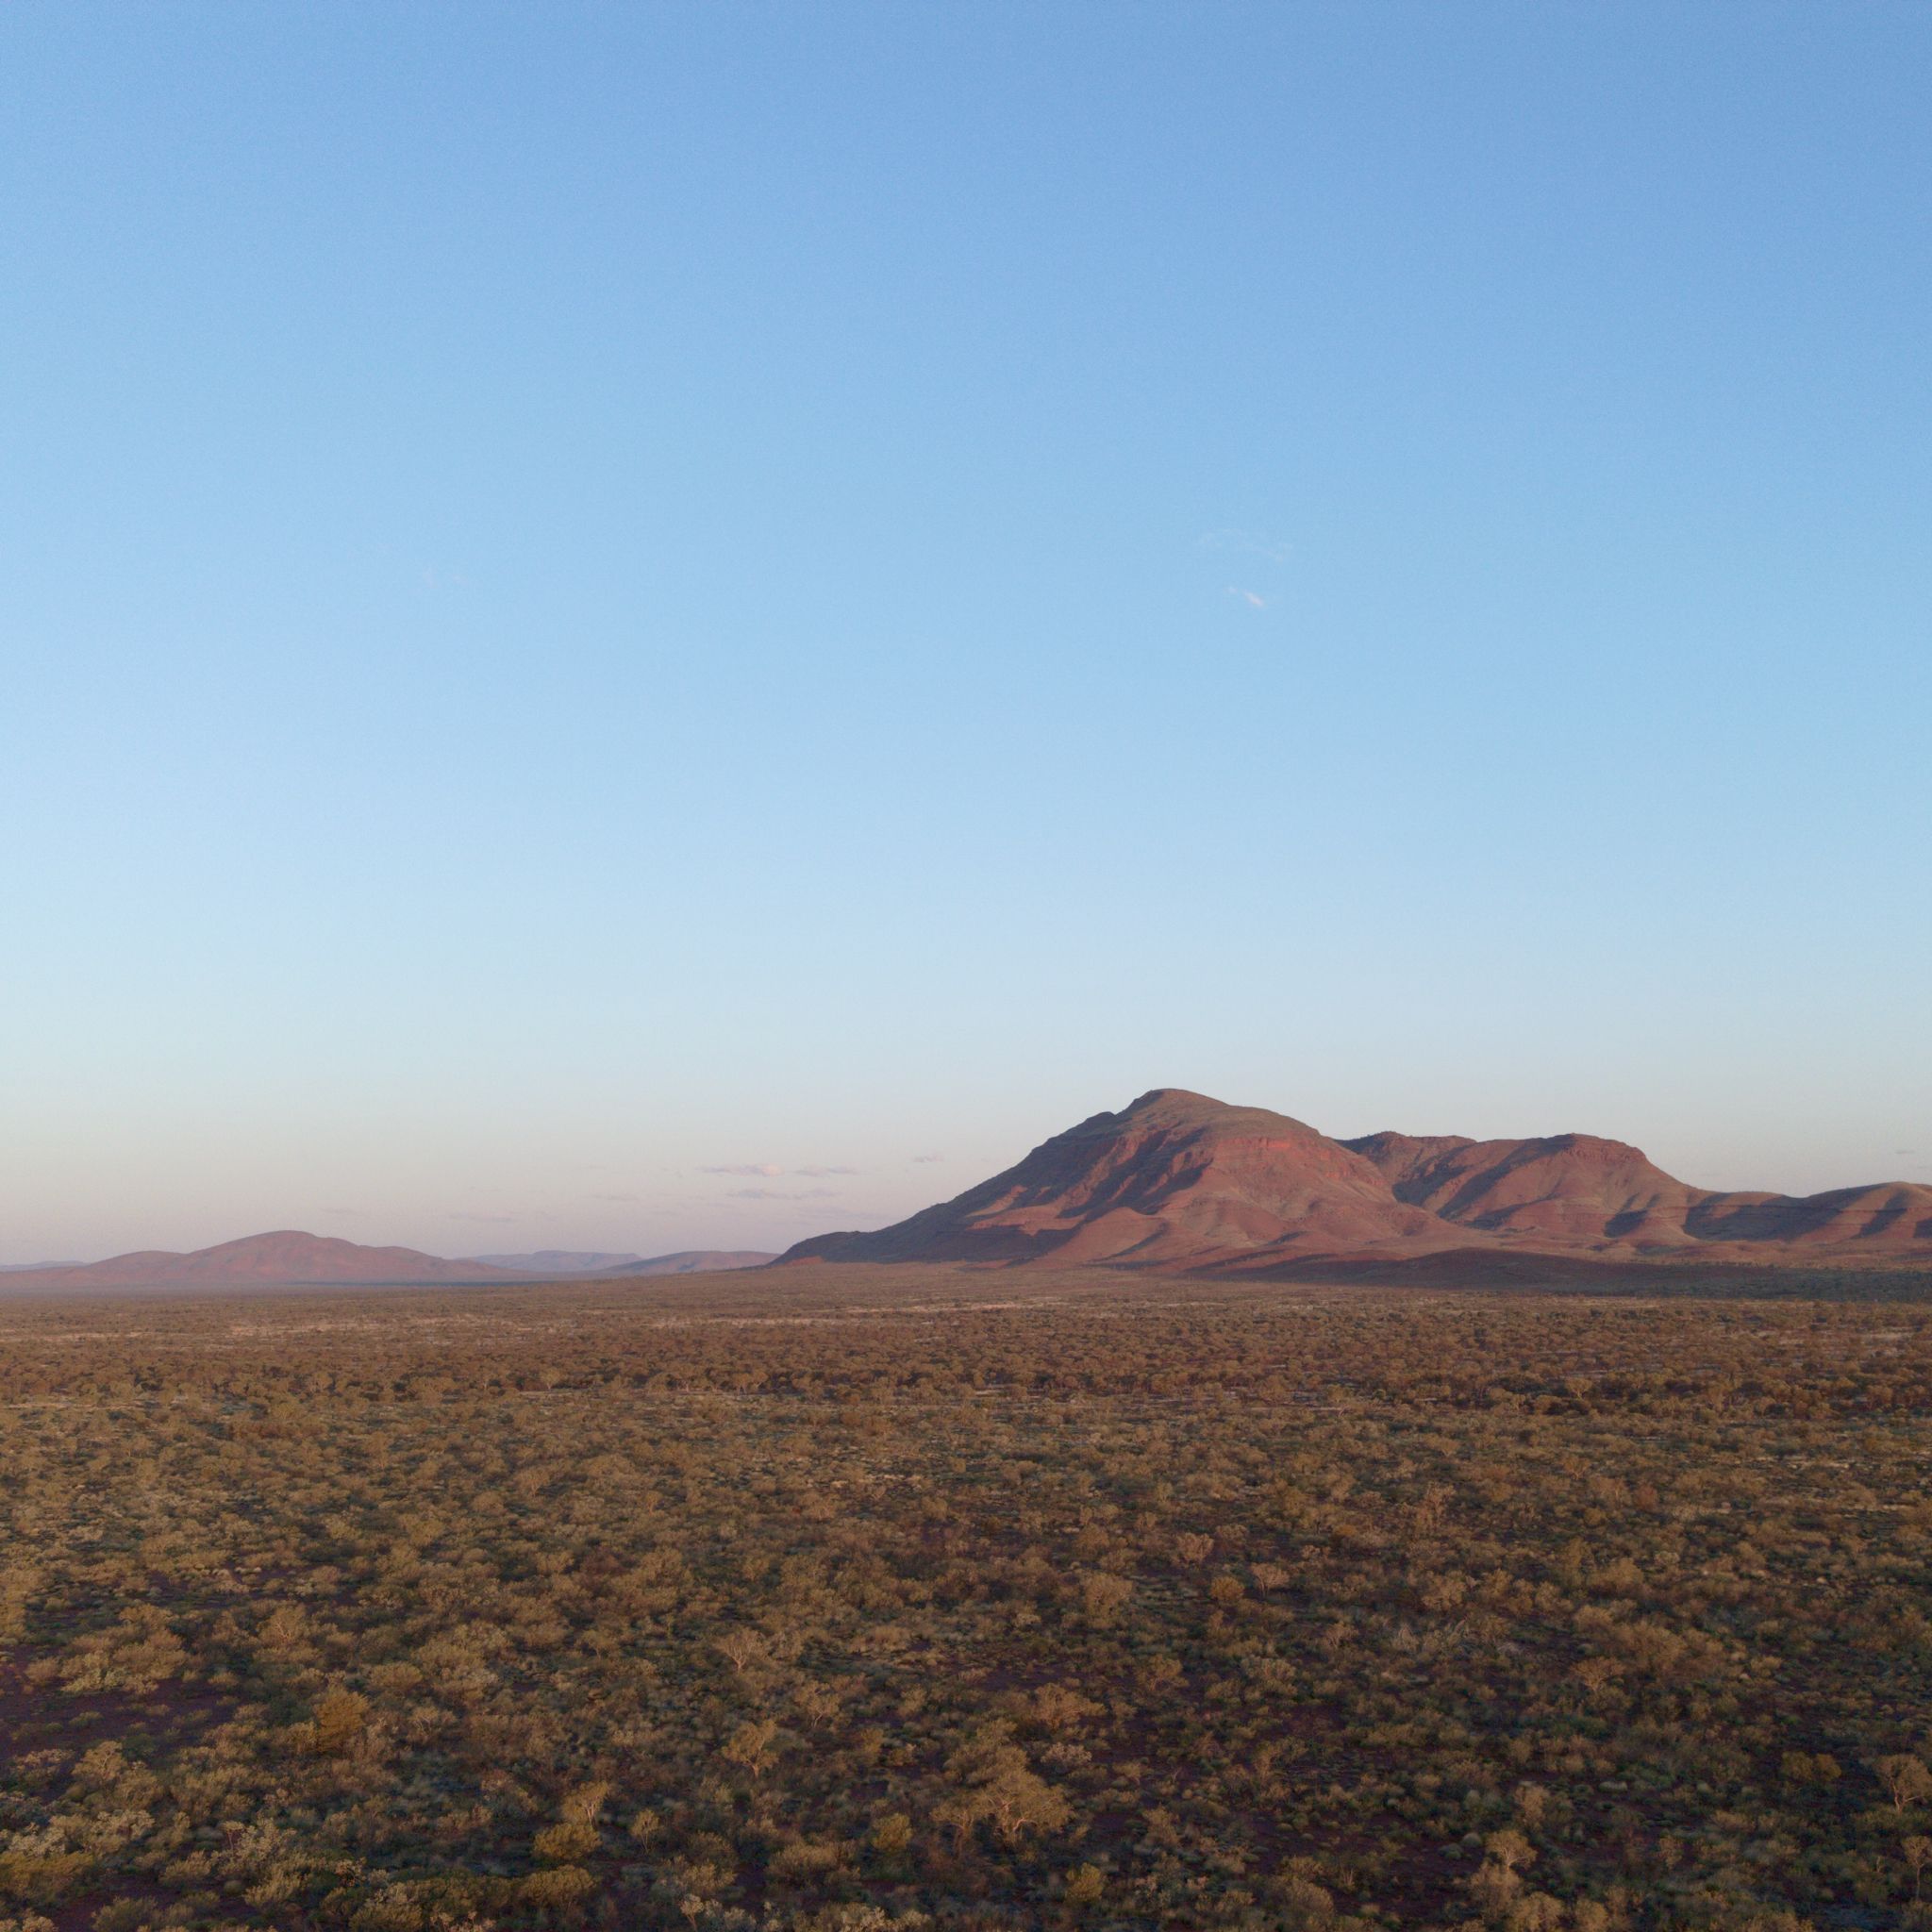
(1180, 1182)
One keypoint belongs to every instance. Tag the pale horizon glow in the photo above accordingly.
(658, 628)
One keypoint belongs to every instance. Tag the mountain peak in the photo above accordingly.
(1175, 1178)
(1180, 1108)
(1179, 1181)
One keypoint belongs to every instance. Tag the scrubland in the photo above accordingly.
(854, 1603)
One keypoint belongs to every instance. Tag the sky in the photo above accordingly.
(664, 625)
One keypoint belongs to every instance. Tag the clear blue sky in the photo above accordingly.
(594, 594)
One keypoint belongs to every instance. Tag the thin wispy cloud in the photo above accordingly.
(612, 1197)
(782, 1194)
(765, 1171)
(490, 1219)
(1249, 543)
(927, 1159)
(1253, 599)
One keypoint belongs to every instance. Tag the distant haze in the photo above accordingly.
(686, 1261)
(291, 1258)
(642, 629)
(557, 1262)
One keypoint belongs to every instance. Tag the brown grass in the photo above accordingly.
(896, 1596)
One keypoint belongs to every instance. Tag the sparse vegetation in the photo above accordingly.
(823, 1603)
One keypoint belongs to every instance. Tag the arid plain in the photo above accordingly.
(850, 1596)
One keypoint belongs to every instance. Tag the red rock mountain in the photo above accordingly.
(285, 1257)
(1179, 1182)
(1574, 1188)
(1176, 1179)
(1569, 1187)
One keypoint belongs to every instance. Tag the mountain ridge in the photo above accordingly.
(1182, 1183)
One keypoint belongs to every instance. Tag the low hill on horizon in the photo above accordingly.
(288, 1256)
(559, 1261)
(1177, 1182)
(701, 1261)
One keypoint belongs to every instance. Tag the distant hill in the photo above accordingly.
(559, 1261)
(287, 1257)
(699, 1261)
(1177, 1182)
(308, 1259)
(562, 1261)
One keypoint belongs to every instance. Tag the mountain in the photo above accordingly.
(1567, 1188)
(1574, 1188)
(285, 1257)
(698, 1261)
(1176, 1179)
(1179, 1182)
(558, 1261)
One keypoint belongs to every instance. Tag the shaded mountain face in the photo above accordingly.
(1178, 1181)
(1895, 1215)
(1574, 1188)
(1567, 1187)
(285, 1257)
